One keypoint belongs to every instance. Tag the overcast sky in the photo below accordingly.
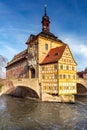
(20, 18)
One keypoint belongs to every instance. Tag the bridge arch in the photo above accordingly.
(24, 91)
(81, 89)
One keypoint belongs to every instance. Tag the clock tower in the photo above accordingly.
(45, 21)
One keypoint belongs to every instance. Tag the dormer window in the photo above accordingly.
(56, 54)
(48, 55)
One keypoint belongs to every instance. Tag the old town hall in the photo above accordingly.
(47, 59)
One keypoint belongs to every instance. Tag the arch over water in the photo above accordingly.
(81, 89)
(24, 91)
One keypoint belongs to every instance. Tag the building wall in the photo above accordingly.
(60, 78)
(42, 51)
(85, 75)
(32, 58)
(49, 78)
(82, 74)
(67, 73)
(17, 70)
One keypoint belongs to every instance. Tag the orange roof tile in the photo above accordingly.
(54, 55)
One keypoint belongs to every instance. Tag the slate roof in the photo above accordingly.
(54, 55)
(49, 35)
(45, 34)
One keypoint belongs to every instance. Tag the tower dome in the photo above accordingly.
(45, 21)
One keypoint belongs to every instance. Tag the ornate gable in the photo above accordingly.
(67, 56)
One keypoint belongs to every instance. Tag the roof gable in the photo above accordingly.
(54, 55)
(68, 52)
(31, 38)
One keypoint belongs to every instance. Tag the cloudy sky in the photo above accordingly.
(20, 18)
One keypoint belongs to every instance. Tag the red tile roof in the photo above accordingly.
(54, 55)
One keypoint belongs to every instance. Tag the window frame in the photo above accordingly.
(46, 46)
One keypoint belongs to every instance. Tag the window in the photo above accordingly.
(56, 54)
(44, 87)
(55, 76)
(61, 67)
(43, 68)
(64, 60)
(69, 61)
(67, 67)
(43, 77)
(73, 87)
(73, 76)
(46, 46)
(72, 68)
(66, 53)
(69, 76)
(49, 88)
(60, 87)
(55, 87)
(64, 76)
(55, 67)
(66, 87)
(60, 76)
(47, 55)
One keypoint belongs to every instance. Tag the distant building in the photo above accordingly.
(82, 74)
(48, 59)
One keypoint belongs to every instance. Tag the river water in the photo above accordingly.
(26, 114)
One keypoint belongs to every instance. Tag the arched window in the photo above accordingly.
(32, 73)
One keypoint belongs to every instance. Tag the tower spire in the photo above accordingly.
(45, 13)
(45, 21)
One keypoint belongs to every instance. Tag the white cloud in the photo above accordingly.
(78, 47)
(7, 51)
(80, 50)
(10, 49)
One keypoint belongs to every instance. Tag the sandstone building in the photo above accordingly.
(48, 59)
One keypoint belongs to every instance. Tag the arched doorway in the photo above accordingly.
(32, 73)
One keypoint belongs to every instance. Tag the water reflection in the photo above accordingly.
(25, 114)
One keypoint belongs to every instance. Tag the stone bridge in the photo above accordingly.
(82, 81)
(30, 85)
(81, 86)
(34, 85)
